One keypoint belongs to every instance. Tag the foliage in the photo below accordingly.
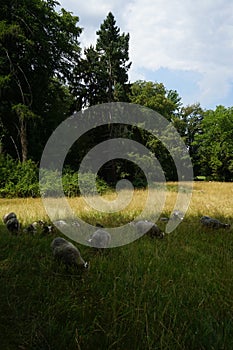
(188, 124)
(37, 44)
(215, 144)
(156, 97)
(103, 73)
(22, 180)
(72, 181)
(113, 49)
(18, 179)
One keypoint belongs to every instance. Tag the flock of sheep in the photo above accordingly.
(64, 251)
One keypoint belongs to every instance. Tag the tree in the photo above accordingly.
(103, 74)
(155, 96)
(188, 123)
(101, 78)
(215, 144)
(113, 50)
(37, 44)
(89, 80)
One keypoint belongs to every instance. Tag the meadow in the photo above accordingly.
(174, 293)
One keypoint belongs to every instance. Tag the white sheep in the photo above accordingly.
(60, 224)
(177, 215)
(67, 253)
(149, 228)
(100, 239)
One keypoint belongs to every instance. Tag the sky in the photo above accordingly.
(186, 45)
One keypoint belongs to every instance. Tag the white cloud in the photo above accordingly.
(182, 35)
(185, 35)
(91, 14)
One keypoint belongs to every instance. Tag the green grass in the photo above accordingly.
(174, 293)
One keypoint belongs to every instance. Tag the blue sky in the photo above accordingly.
(187, 45)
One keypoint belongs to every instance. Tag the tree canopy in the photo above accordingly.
(38, 50)
(214, 144)
(102, 75)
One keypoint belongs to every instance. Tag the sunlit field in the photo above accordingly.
(173, 293)
(208, 198)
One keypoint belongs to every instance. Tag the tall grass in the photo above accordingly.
(174, 293)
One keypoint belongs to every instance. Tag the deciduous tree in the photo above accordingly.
(37, 44)
(215, 144)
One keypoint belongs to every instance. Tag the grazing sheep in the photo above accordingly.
(67, 253)
(148, 227)
(75, 223)
(100, 239)
(11, 222)
(177, 215)
(164, 219)
(39, 226)
(60, 224)
(13, 225)
(9, 216)
(209, 222)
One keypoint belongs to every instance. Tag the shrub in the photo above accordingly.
(22, 180)
(18, 179)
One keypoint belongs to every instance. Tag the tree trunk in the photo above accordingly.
(23, 140)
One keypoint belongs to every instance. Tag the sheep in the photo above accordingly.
(11, 222)
(39, 226)
(9, 216)
(13, 225)
(148, 227)
(164, 219)
(75, 223)
(60, 224)
(67, 253)
(177, 215)
(100, 239)
(209, 222)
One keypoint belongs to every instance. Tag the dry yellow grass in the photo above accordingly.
(212, 198)
(208, 198)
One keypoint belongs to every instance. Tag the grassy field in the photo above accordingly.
(174, 293)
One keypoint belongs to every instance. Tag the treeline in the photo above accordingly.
(45, 76)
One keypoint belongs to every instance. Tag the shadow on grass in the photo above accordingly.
(174, 293)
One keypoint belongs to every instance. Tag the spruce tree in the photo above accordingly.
(113, 50)
(103, 74)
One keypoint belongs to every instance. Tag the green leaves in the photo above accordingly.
(23, 111)
(36, 44)
(216, 143)
(104, 68)
(155, 96)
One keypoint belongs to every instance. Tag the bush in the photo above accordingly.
(18, 179)
(50, 183)
(22, 180)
